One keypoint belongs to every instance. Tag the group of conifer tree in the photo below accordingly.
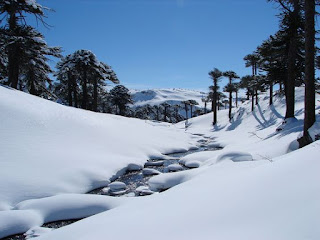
(24, 56)
(286, 58)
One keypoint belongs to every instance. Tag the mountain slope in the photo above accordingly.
(47, 148)
(259, 186)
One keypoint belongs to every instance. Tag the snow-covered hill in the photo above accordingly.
(260, 186)
(171, 96)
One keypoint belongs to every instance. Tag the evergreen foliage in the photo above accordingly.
(82, 79)
(120, 97)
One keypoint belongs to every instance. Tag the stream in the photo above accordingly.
(135, 183)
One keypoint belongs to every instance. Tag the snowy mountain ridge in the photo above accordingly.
(169, 95)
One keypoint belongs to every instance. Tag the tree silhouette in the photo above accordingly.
(215, 75)
(230, 75)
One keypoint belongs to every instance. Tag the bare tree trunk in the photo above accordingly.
(236, 98)
(214, 101)
(13, 55)
(309, 111)
(84, 89)
(292, 55)
(271, 93)
(186, 109)
(95, 95)
(74, 88)
(69, 89)
(252, 102)
(230, 104)
(205, 107)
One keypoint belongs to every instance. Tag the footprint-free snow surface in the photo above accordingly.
(259, 186)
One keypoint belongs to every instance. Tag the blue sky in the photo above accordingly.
(163, 43)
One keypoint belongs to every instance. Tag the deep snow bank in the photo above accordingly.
(229, 200)
(47, 148)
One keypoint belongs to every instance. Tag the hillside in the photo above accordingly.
(259, 186)
(171, 96)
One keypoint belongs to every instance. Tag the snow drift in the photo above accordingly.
(260, 186)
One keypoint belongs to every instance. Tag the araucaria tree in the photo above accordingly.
(186, 108)
(34, 68)
(231, 75)
(273, 59)
(309, 117)
(292, 28)
(120, 97)
(248, 83)
(81, 77)
(15, 11)
(192, 103)
(252, 60)
(215, 75)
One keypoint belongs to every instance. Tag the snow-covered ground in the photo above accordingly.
(259, 186)
(169, 95)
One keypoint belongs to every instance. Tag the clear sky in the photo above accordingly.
(163, 43)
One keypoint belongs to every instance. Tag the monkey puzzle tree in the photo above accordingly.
(215, 75)
(15, 11)
(231, 75)
(309, 110)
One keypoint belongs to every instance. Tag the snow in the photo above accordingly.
(170, 96)
(150, 171)
(36, 232)
(35, 212)
(117, 186)
(175, 167)
(153, 163)
(259, 186)
(143, 191)
(158, 96)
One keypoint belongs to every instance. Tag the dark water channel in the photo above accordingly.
(136, 182)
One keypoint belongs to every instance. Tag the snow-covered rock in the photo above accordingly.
(153, 163)
(192, 164)
(144, 190)
(175, 167)
(150, 171)
(134, 167)
(235, 156)
(117, 186)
